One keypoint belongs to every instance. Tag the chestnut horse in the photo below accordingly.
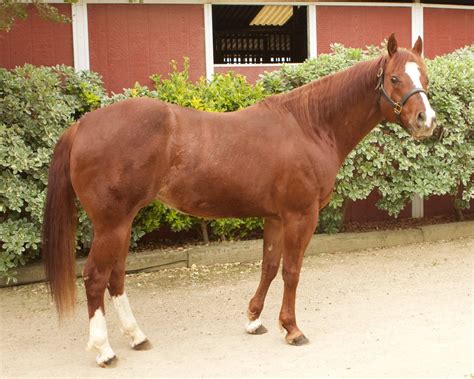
(277, 159)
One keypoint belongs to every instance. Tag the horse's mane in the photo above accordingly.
(323, 99)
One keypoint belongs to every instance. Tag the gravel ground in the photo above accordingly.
(404, 311)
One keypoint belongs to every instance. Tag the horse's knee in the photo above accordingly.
(270, 269)
(291, 277)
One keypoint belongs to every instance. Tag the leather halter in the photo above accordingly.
(397, 106)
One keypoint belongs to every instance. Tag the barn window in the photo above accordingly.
(250, 34)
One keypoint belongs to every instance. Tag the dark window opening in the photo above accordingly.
(249, 34)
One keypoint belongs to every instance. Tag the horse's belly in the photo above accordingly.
(212, 202)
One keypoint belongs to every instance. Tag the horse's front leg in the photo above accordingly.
(272, 250)
(297, 232)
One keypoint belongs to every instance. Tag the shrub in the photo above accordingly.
(36, 105)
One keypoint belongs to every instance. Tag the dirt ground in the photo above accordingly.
(404, 311)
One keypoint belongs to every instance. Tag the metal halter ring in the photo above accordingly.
(397, 108)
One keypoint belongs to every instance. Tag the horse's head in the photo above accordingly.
(403, 83)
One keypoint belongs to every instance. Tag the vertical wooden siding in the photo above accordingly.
(37, 41)
(130, 42)
(446, 30)
(366, 210)
(361, 26)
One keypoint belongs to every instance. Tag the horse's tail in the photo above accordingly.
(59, 227)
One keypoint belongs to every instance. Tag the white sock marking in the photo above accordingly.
(252, 326)
(127, 320)
(98, 338)
(413, 71)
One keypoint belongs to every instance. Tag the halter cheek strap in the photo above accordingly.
(397, 106)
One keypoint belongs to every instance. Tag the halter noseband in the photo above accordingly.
(397, 107)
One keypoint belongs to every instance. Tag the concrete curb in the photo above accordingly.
(250, 251)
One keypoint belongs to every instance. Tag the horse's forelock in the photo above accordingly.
(404, 56)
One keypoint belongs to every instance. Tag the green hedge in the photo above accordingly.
(38, 103)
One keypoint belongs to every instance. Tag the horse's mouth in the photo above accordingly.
(421, 134)
(421, 137)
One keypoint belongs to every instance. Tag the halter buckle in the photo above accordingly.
(397, 108)
(380, 78)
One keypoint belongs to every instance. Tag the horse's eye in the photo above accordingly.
(394, 79)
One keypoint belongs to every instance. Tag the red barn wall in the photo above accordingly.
(439, 206)
(37, 41)
(365, 210)
(446, 30)
(361, 26)
(130, 42)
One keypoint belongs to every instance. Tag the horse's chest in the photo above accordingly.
(326, 166)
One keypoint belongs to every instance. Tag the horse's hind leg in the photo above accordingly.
(107, 243)
(272, 250)
(129, 326)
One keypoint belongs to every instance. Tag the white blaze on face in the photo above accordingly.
(127, 320)
(98, 337)
(413, 71)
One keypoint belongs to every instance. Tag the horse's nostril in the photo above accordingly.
(421, 118)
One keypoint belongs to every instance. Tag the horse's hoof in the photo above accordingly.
(142, 346)
(255, 327)
(260, 330)
(111, 362)
(298, 341)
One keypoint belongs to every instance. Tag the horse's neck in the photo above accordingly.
(343, 106)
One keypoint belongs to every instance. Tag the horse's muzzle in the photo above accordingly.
(421, 127)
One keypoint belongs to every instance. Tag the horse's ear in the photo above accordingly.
(418, 46)
(392, 44)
